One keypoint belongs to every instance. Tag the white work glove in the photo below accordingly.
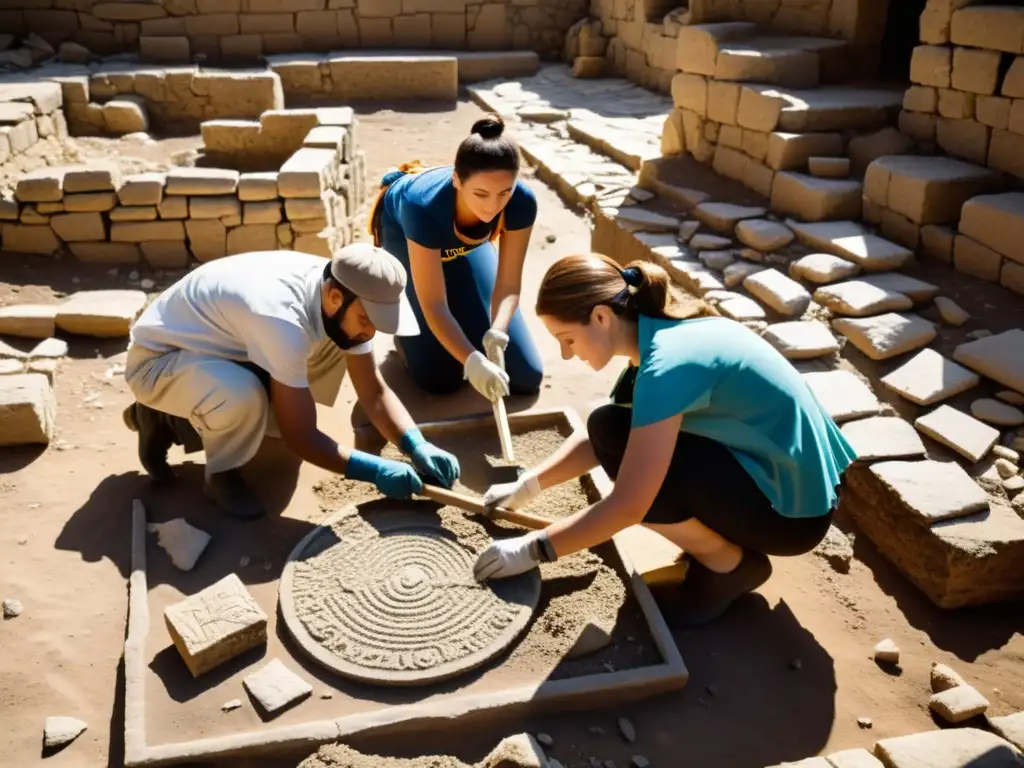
(495, 344)
(487, 378)
(510, 557)
(513, 495)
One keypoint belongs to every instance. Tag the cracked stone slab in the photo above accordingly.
(843, 395)
(969, 437)
(883, 437)
(928, 377)
(859, 298)
(801, 339)
(999, 357)
(888, 335)
(932, 490)
(276, 687)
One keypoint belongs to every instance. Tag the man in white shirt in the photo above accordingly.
(257, 338)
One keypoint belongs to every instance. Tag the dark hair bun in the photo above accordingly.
(490, 127)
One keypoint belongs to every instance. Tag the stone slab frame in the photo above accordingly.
(559, 695)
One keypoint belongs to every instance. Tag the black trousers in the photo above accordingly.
(705, 482)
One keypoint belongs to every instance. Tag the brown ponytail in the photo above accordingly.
(574, 285)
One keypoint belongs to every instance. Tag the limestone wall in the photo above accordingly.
(227, 29)
(967, 92)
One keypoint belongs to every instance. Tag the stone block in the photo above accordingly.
(926, 190)
(997, 222)
(829, 167)
(730, 136)
(215, 625)
(755, 144)
(793, 150)
(690, 92)
(257, 187)
(822, 268)
(268, 212)
(993, 111)
(1004, 153)
(782, 294)
(252, 237)
(307, 173)
(955, 105)
(999, 357)
(96, 178)
(588, 67)
(858, 298)
(133, 213)
(79, 227)
(276, 687)
(937, 242)
(106, 253)
(958, 704)
(814, 199)
(973, 258)
(932, 65)
(931, 491)
(723, 102)
(867, 148)
(967, 139)
(928, 377)
(395, 77)
(843, 395)
(921, 98)
(90, 202)
(899, 229)
(173, 207)
(102, 314)
(42, 186)
(851, 241)
(28, 409)
(165, 254)
(125, 114)
(1012, 277)
(883, 437)
(697, 45)
(312, 244)
(976, 70)
(30, 321)
(918, 125)
(142, 189)
(241, 47)
(992, 27)
(1010, 727)
(213, 207)
(207, 239)
(886, 336)
(801, 340)
(758, 177)
(144, 231)
(200, 181)
(22, 238)
(955, 429)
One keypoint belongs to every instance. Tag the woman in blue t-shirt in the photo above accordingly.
(442, 224)
(712, 438)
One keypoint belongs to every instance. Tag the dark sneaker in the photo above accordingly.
(155, 439)
(705, 595)
(229, 491)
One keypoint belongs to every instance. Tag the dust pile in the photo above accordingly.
(519, 751)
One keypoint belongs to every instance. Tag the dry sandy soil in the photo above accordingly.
(785, 675)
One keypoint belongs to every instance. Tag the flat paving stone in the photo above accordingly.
(932, 490)
(994, 412)
(101, 314)
(801, 339)
(725, 216)
(928, 377)
(853, 242)
(822, 268)
(843, 395)
(763, 235)
(1000, 357)
(854, 758)
(1010, 727)
(276, 687)
(966, 435)
(641, 220)
(916, 290)
(717, 260)
(858, 298)
(960, 703)
(737, 272)
(709, 243)
(741, 308)
(781, 293)
(885, 336)
(883, 437)
(32, 321)
(953, 748)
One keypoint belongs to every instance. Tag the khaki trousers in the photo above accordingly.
(225, 402)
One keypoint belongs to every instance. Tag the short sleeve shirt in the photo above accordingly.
(423, 206)
(733, 387)
(263, 307)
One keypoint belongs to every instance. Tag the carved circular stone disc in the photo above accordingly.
(387, 596)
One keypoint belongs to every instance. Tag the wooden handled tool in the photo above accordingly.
(510, 473)
(470, 504)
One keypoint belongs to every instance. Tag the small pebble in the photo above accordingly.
(951, 312)
(12, 608)
(888, 652)
(796, 664)
(227, 706)
(551, 238)
(146, 284)
(1005, 452)
(326, 695)
(639, 761)
(133, 275)
(1011, 397)
(545, 740)
(981, 333)
(1005, 468)
(628, 731)
(244, 561)
(865, 722)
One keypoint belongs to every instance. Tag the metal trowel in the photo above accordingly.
(509, 472)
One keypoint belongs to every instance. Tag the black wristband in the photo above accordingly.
(545, 549)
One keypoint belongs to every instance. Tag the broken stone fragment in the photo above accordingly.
(836, 549)
(888, 652)
(943, 678)
(12, 608)
(228, 706)
(59, 730)
(957, 704)
(951, 312)
(865, 722)
(184, 543)
(276, 687)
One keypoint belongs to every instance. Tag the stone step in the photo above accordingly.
(619, 141)
(853, 242)
(814, 199)
(769, 108)
(795, 62)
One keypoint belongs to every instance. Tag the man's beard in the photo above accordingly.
(332, 325)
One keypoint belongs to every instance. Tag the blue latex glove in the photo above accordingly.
(429, 459)
(392, 478)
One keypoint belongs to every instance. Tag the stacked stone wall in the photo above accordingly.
(218, 30)
(32, 126)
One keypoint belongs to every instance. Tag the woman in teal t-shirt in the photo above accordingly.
(712, 438)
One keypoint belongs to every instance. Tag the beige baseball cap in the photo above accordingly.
(378, 279)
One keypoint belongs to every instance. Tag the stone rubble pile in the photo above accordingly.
(308, 203)
(31, 121)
